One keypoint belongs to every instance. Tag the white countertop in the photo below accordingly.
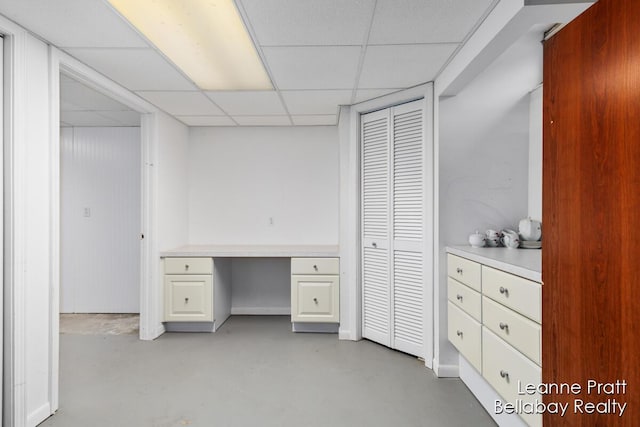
(526, 263)
(249, 251)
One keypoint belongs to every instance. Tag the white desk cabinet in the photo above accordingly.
(197, 294)
(315, 290)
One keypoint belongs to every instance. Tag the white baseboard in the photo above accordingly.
(39, 415)
(261, 311)
(344, 334)
(445, 371)
(190, 327)
(326, 328)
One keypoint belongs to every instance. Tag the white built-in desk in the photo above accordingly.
(253, 251)
(198, 281)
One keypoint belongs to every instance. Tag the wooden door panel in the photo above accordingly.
(591, 208)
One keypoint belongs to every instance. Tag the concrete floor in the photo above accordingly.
(99, 324)
(253, 372)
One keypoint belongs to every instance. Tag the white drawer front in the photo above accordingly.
(188, 298)
(466, 298)
(188, 266)
(504, 368)
(315, 265)
(465, 334)
(315, 298)
(464, 271)
(522, 333)
(521, 295)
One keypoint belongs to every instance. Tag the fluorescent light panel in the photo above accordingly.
(206, 39)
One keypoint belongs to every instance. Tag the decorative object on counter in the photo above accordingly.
(477, 240)
(494, 238)
(530, 232)
(531, 244)
(530, 229)
(510, 239)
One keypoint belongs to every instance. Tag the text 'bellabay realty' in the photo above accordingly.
(580, 406)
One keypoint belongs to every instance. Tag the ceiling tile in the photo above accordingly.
(248, 103)
(300, 102)
(367, 94)
(136, 69)
(315, 120)
(425, 21)
(182, 103)
(206, 120)
(262, 120)
(317, 67)
(85, 118)
(74, 96)
(73, 23)
(403, 65)
(309, 22)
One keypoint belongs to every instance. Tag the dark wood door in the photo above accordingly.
(591, 215)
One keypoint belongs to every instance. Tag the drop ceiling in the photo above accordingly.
(319, 54)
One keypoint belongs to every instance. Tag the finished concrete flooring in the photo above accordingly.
(253, 372)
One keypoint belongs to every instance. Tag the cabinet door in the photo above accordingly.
(315, 298)
(188, 298)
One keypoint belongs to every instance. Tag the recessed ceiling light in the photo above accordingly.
(206, 39)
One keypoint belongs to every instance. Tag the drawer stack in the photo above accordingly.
(315, 290)
(495, 323)
(465, 308)
(188, 290)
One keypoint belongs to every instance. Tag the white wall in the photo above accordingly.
(263, 185)
(535, 155)
(166, 166)
(27, 240)
(171, 166)
(100, 220)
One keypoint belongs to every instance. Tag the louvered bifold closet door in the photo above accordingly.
(408, 227)
(376, 291)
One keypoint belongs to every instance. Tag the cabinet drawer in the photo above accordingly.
(315, 265)
(465, 298)
(464, 333)
(188, 298)
(504, 368)
(521, 295)
(315, 298)
(464, 271)
(188, 266)
(522, 333)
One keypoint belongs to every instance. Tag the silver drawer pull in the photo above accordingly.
(459, 333)
(504, 374)
(186, 300)
(186, 267)
(504, 291)
(503, 326)
(459, 297)
(459, 270)
(315, 300)
(315, 267)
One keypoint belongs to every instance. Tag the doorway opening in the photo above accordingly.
(100, 212)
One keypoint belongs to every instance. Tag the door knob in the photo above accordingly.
(315, 300)
(186, 300)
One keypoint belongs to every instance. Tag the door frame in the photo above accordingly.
(351, 222)
(62, 62)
